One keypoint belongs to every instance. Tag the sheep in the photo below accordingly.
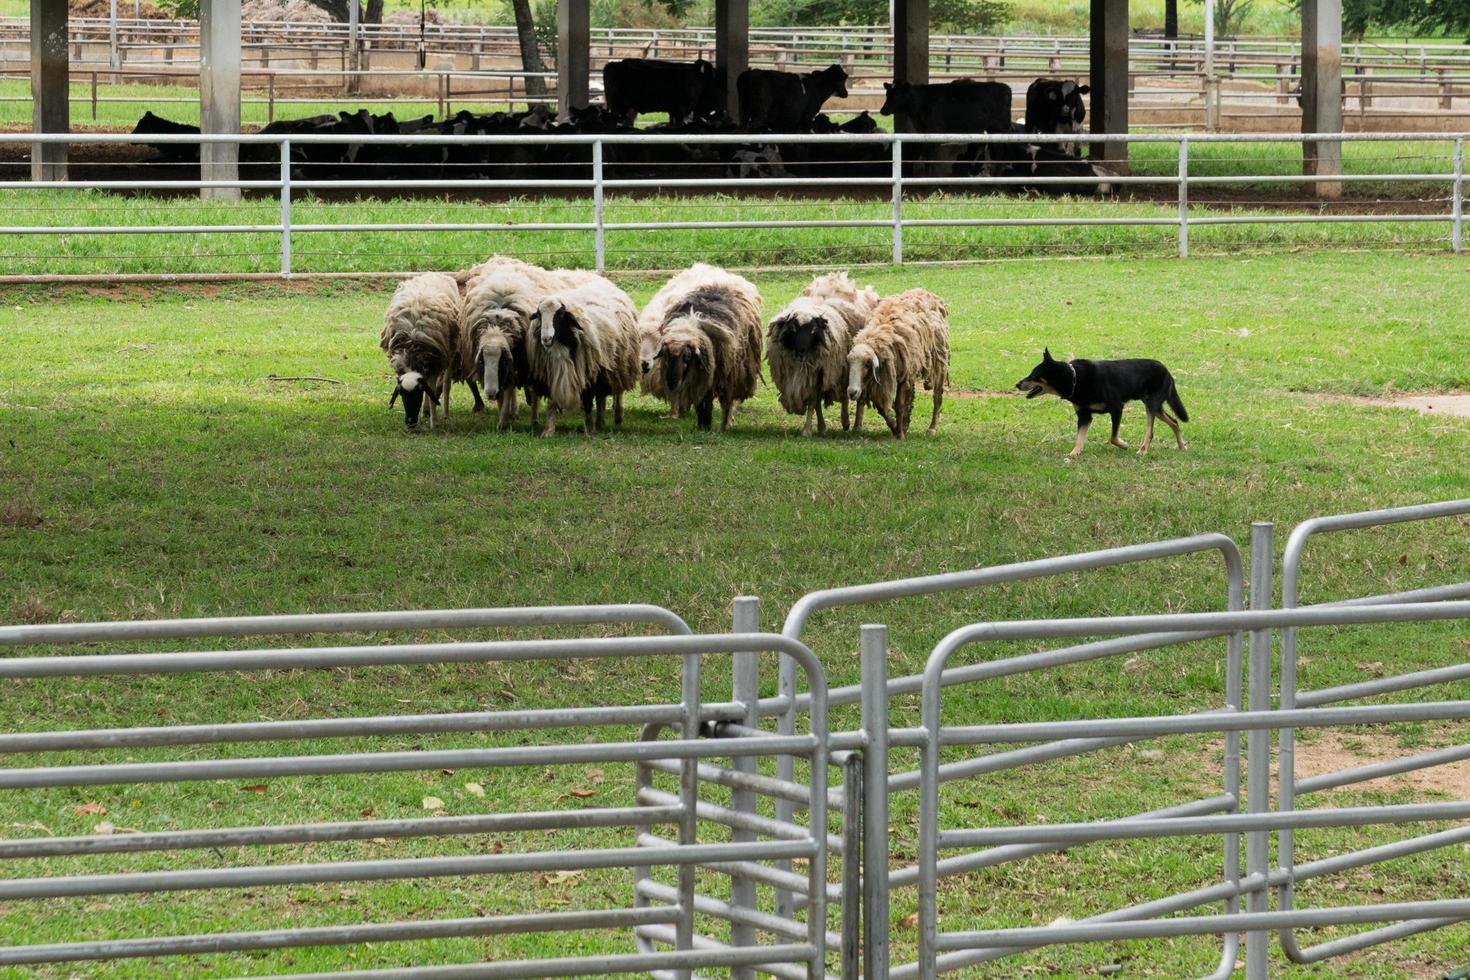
(583, 346)
(807, 344)
(710, 345)
(425, 344)
(906, 343)
(652, 320)
(501, 294)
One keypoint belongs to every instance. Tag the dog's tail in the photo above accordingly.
(1175, 403)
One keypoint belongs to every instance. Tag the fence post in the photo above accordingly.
(1258, 748)
(94, 96)
(599, 234)
(853, 793)
(270, 97)
(285, 207)
(1184, 198)
(874, 657)
(1457, 197)
(897, 200)
(688, 807)
(745, 689)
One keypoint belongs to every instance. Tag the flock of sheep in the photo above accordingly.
(576, 339)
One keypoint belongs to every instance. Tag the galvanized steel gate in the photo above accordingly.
(809, 921)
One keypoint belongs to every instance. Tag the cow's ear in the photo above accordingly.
(887, 86)
(1083, 89)
(1067, 88)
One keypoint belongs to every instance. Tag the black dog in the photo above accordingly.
(1103, 386)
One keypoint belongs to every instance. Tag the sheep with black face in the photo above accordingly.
(807, 344)
(582, 346)
(710, 347)
(425, 345)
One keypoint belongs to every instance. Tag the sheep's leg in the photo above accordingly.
(601, 411)
(857, 414)
(475, 390)
(587, 424)
(806, 428)
(938, 400)
(550, 419)
(845, 423)
(727, 409)
(618, 409)
(444, 386)
(507, 409)
(890, 419)
(535, 402)
(821, 422)
(705, 412)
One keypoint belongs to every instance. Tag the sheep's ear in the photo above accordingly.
(394, 397)
(874, 365)
(433, 395)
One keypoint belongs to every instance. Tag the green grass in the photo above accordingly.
(149, 468)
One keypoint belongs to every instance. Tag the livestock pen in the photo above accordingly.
(212, 450)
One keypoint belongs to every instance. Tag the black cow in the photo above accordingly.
(963, 106)
(1056, 107)
(151, 125)
(785, 102)
(684, 91)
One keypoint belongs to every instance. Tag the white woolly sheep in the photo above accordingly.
(581, 348)
(807, 345)
(906, 344)
(425, 345)
(710, 345)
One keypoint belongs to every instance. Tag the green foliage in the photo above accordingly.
(968, 16)
(1435, 17)
(1230, 15)
(184, 9)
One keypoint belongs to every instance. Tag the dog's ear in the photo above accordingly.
(1046, 357)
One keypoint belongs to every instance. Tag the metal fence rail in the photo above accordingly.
(902, 167)
(725, 817)
(675, 915)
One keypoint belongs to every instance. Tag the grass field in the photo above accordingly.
(150, 468)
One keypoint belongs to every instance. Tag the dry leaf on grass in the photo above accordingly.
(583, 794)
(910, 921)
(256, 788)
(474, 789)
(433, 803)
(90, 809)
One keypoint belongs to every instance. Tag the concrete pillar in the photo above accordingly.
(1109, 78)
(1322, 90)
(50, 70)
(910, 47)
(219, 94)
(732, 48)
(573, 53)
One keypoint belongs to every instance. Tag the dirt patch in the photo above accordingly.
(29, 610)
(19, 514)
(1453, 403)
(1333, 751)
(967, 393)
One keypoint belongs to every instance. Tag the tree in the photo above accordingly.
(1437, 17)
(1171, 18)
(961, 16)
(1229, 14)
(530, 53)
(372, 11)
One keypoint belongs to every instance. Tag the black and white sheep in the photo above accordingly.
(581, 348)
(652, 319)
(709, 345)
(807, 345)
(425, 344)
(501, 296)
(906, 344)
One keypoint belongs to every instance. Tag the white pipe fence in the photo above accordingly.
(672, 925)
(911, 164)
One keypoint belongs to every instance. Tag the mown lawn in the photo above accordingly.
(150, 467)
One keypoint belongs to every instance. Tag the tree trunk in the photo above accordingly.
(1171, 19)
(530, 54)
(373, 14)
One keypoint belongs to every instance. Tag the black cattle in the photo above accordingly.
(684, 91)
(1056, 108)
(963, 106)
(151, 125)
(785, 102)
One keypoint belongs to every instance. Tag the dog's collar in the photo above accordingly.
(1073, 369)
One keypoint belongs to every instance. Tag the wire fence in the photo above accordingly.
(379, 204)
